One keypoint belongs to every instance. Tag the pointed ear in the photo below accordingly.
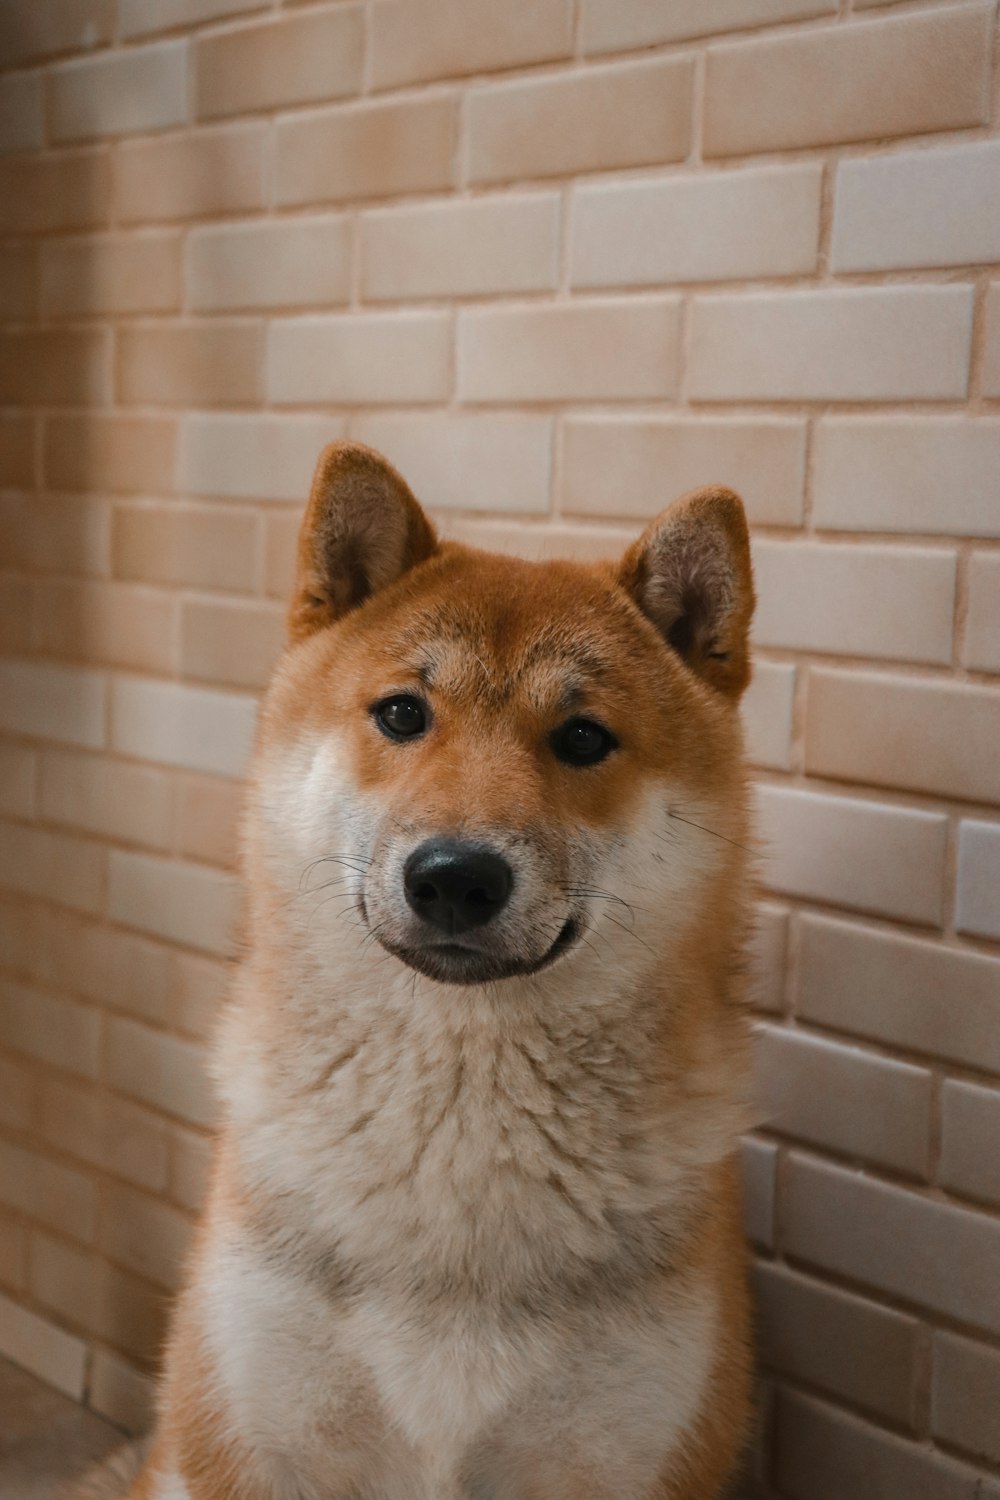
(690, 574)
(362, 529)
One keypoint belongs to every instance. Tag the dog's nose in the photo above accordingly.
(455, 885)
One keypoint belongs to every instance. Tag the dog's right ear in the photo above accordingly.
(362, 529)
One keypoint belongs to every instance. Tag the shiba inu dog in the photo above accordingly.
(474, 1228)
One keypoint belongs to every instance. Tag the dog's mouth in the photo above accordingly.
(461, 963)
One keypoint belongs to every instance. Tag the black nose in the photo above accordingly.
(454, 885)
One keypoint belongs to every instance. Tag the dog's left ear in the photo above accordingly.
(690, 574)
(362, 530)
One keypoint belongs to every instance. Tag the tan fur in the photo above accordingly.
(480, 1240)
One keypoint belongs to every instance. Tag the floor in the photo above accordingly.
(45, 1438)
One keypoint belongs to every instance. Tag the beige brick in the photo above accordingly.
(191, 364)
(720, 226)
(620, 25)
(105, 451)
(18, 282)
(111, 273)
(161, 1070)
(48, 534)
(199, 985)
(144, 1235)
(767, 954)
(184, 903)
(280, 542)
(190, 727)
(39, 28)
(143, 17)
(190, 1168)
(55, 866)
(858, 723)
(412, 40)
(60, 190)
(991, 356)
(352, 358)
(253, 457)
(97, 1128)
(37, 1345)
(298, 262)
(55, 366)
(634, 466)
(981, 645)
(759, 1164)
(207, 820)
(844, 344)
(187, 176)
(21, 115)
(520, 537)
(927, 474)
(977, 906)
(971, 1128)
(17, 450)
(302, 58)
(115, 623)
(492, 461)
(893, 1240)
(918, 208)
(47, 1191)
(467, 248)
(16, 1094)
(18, 780)
(590, 349)
(854, 853)
(105, 796)
(624, 115)
(140, 88)
(369, 150)
(844, 1098)
(902, 75)
(112, 968)
(13, 1253)
(55, 703)
(824, 1454)
(194, 546)
(767, 715)
(903, 991)
(855, 600)
(966, 1396)
(843, 1344)
(121, 1393)
(15, 614)
(94, 1296)
(231, 641)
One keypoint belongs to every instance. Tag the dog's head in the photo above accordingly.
(485, 767)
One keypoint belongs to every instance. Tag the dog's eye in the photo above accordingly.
(401, 717)
(581, 742)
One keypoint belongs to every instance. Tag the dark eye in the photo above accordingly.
(401, 717)
(581, 742)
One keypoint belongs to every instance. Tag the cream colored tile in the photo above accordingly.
(977, 907)
(767, 951)
(121, 1392)
(271, 263)
(138, 89)
(56, 366)
(39, 28)
(912, 474)
(190, 727)
(413, 41)
(991, 357)
(846, 83)
(767, 715)
(588, 349)
(124, 454)
(369, 150)
(190, 545)
(55, 534)
(252, 457)
(117, 623)
(718, 226)
(302, 58)
(111, 273)
(57, 190)
(144, 1235)
(192, 364)
(981, 646)
(620, 25)
(848, 852)
(184, 903)
(18, 781)
(231, 641)
(464, 248)
(47, 1351)
(970, 1125)
(844, 344)
(47, 1191)
(187, 176)
(759, 1165)
(103, 796)
(492, 461)
(855, 600)
(142, 17)
(161, 1070)
(59, 1032)
(106, 1132)
(352, 358)
(57, 867)
(918, 208)
(924, 735)
(966, 1396)
(629, 114)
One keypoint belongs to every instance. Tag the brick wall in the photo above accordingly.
(560, 259)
